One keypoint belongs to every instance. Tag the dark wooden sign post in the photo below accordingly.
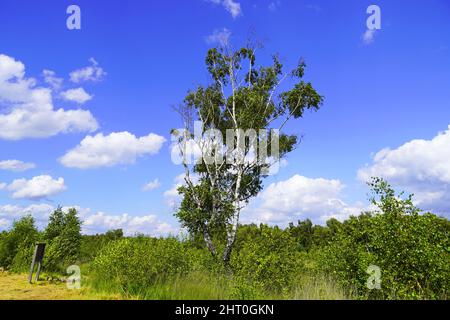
(37, 259)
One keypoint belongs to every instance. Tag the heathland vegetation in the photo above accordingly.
(302, 261)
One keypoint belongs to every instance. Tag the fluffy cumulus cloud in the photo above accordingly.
(27, 111)
(149, 224)
(36, 188)
(233, 7)
(78, 95)
(9, 213)
(93, 223)
(51, 79)
(16, 165)
(297, 198)
(171, 195)
(93, 72)
(152, 185)
(419, 166)
(219, 36)
(110, 150)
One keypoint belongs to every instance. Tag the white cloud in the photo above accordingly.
(36, 188)
(172, 197)
(369, 36)
(9, 213)
(419, 166)
(51, 79)
(101, 222)
(113, 149)
(78, 95)
(152, 185)
(93, 223)
(220, 37)
(28, 111)
(234, 8)
(16, 165)
(89, 73)
(4, 223)
(2, 185)
(297, 198)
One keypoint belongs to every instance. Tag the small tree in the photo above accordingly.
(64, 235)
(241, 103)
(55, 224)
(23, 235)
(114, 234)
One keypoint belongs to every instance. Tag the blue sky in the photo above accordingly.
(384, 93)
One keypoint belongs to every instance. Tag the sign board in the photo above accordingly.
(37, 258)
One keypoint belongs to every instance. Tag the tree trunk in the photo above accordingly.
(208, 241)
(231, 238)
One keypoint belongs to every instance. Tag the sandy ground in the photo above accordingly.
(16, 287)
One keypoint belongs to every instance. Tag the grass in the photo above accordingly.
(205, 286)
(16, 287)
(194, 286)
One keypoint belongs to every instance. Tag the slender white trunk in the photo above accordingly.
(208, 241)
(232, 230)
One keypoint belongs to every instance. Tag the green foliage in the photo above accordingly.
(309, 236)
(135, 263)
(241, 95)
(22, 259)
(410, 249)
(91, 245)
(20, 239)
(303, 261)
(55, 224)
(266, 257)
(63, 235)
(114, 234)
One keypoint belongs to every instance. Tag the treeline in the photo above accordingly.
(65, 245)
(396, 252)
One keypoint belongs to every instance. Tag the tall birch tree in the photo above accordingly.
(242, 112)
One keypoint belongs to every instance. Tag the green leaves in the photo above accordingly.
(408, 247)
(137, 263)
(241, 96)
(63, 235)
(302, 97)
(18, 241)
(266, 257)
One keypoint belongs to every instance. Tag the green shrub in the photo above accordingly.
(411, 250)
(268, 260)
(22, 260)
(133, 264)
(20, 239)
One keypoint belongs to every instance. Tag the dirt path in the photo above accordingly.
(16, 287)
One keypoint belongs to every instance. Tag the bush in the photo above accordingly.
(412, 250)
(268, 259)
(19, 240)
(22, 260)
(133, 264)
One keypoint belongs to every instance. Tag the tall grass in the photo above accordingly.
(211, 286)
